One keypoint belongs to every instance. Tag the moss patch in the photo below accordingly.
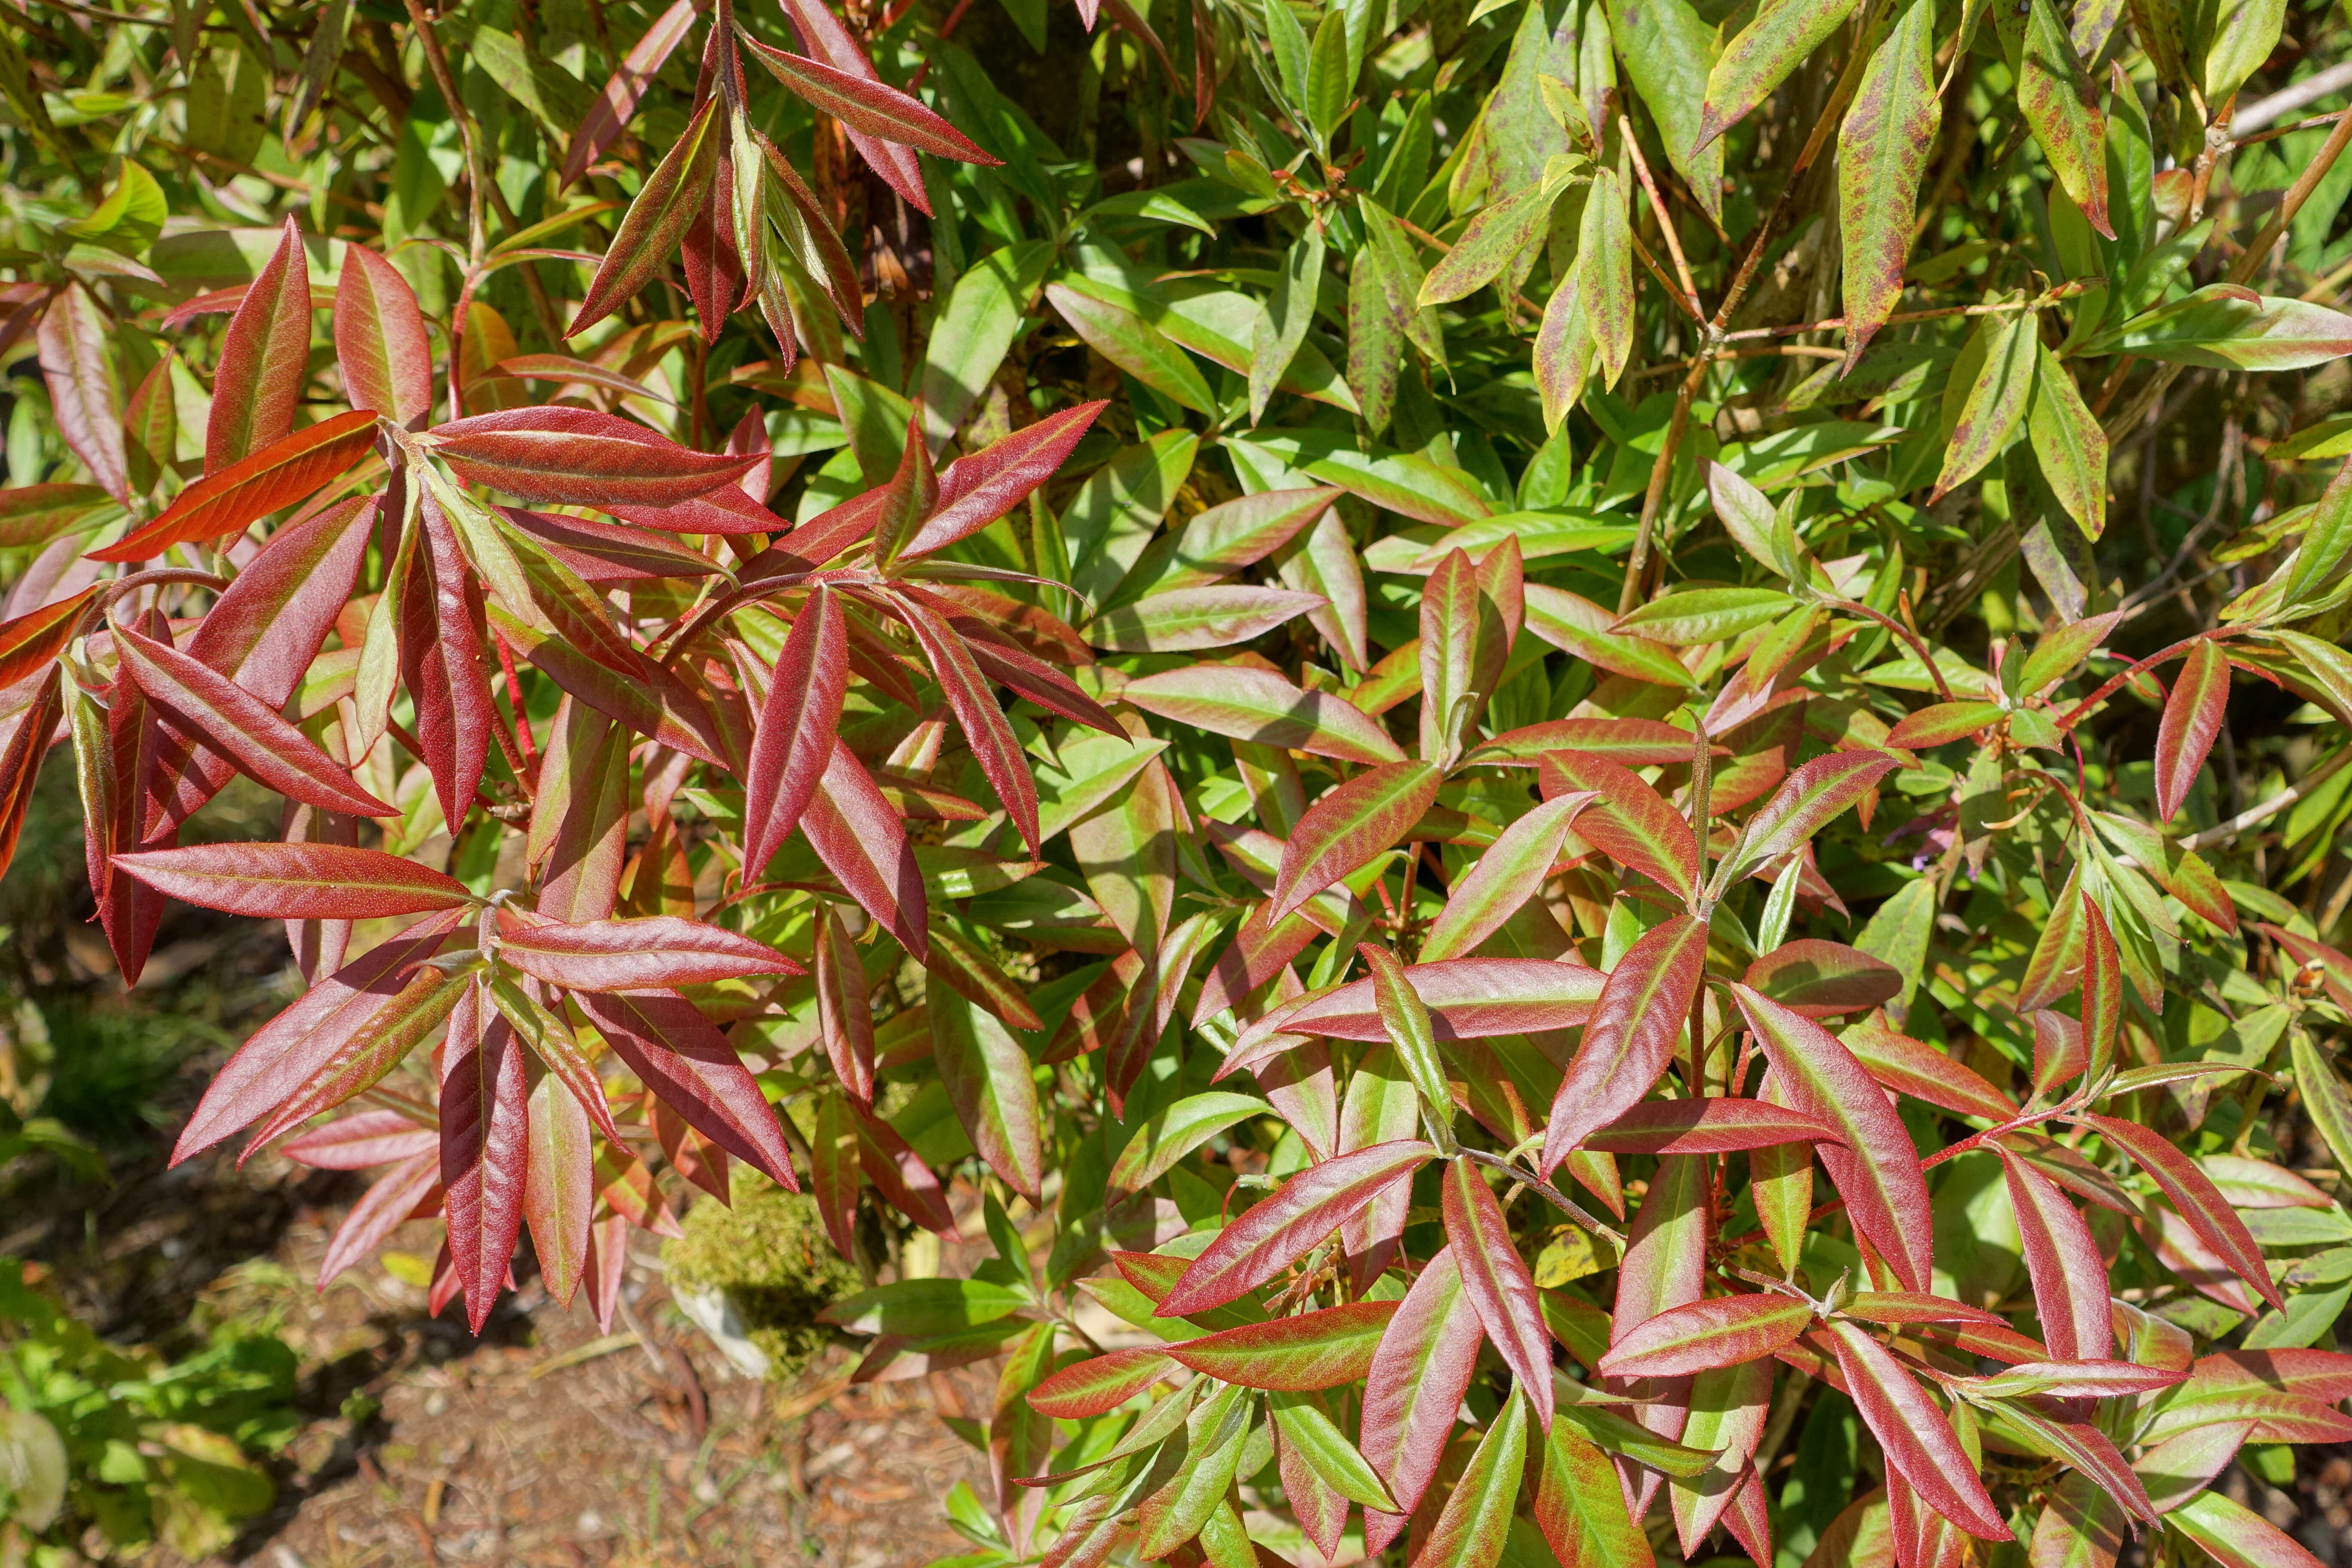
(771, 1257)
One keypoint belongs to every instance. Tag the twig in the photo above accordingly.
(1658, 210)
(1550, 1194)
(2254, 816)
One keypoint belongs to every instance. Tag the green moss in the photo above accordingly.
(771, 1257)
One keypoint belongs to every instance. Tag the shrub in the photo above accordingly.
(1438, 696)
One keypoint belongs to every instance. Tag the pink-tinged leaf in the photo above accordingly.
(1581, 1508)
(1098, 1386)
(1706, 1336)
(824, 37)
(410, 1190)
(1467, 998)
(1496, 1282)
(832, 1172)
(863, 104)
(638, 954)
(986, 730)
(2103, 990)
(1821, 979)
(32, 641)
(1896, 1306)
(1941, 723)
(1313, 1350)
(1265, 708)
(2193, 1193)
(608, 553)
(2069, 1278)
(485, 1150)
(1628, 743)
(380, 342)
(1664, 1267)
(1642, 1012)
(1911, 1067)
(1474, 1527)
(284, 1052)
(1346, 829)
(1026, 675)
(1630, 821)
(2235, 1536)
(580, 457)
(559, 1190)
(678, 1055)
(617, 104)
(864, 844)
(794, 737)
(2193, 712)
(2090, 1378)
(296, 881)
(1914, 1434)
(976, 491)
(898, 1173)
(226, 500)
(264, 630)
(1281, 1229)
(844, 1007)
(1419, 1376)
(2058, 1053)
(657, 219)
(1875, 1168)
(1809, 800)
(441, 632)
(725, 509)
(1581, 629)
(1505, 876)
(84, 392)
(1190, 619)
(987, 1076)
(1712, 1126)
(365, 1138)
(2181, 1466)
(264, 358)
(355, 1054)
(238, 724)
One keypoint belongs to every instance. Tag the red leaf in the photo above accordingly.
(1344, 830)
(1313, 1350)
(2193, 1193)
(558, 1188)
(263, 361)
(1496, 1282)
(1809, 800)
(352, 1054)
(1420, 1372)
(441, 630)
(1914, 1434)
(363, 1139)
(1710, 1126)
(680, 1057)
(1629, 822)
(2069, 1278)
(901, 1175)
(822, 35)
(985, 729)
(1643, 1008)
(660, 951)
(1467, 998)
(84, 394)
(1100, 1385)
(1706, 1336)
(1281, 1229)
(1913, 1068)
(380, 342)
(484, 1149)
(579, 457)
(864, 844)
(608, 553)
(864, 105)
(617, 104)
(1821, 979)
(832, 1172)
(26, 746)
(411, 1190)
(1875, 1168)
(1627, 742)
(296, 881)
(284, 1052)
(845, 1006)
(238, 724)
(670, 199)
(228, 499)
(32, 641)
(2103, 990)
(2193, 712)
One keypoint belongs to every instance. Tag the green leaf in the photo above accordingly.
(1884, 146)
(1175, 1133)
(1135, 346)
(1289, 310)
(1782, 35)
(1995, 401)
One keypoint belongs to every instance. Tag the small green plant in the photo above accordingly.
(110, 1448)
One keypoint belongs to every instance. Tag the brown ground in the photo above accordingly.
(545, 1442)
